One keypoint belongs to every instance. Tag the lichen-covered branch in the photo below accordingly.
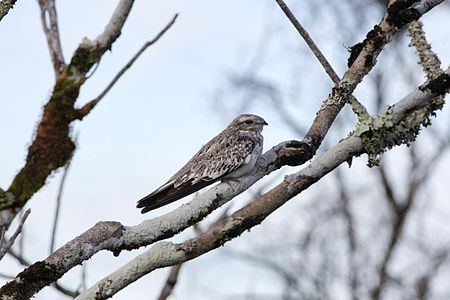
(362, 58)
(165, 254)
(5, 6)
(429, 61)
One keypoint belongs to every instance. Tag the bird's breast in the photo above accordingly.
(249, 163)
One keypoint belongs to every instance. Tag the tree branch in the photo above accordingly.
(357, 107)
(5, 246)
(86, 109)
(49, 22)
(362, 58)
(58, 203)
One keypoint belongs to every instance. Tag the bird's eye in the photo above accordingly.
(249, 122)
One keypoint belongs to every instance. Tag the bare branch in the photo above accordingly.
(351, 236)
(170, 283)
(91, 104)
(49, 22)
(90, 52)
(5, 6)
(5, 246)
(172, 279)
(357, 107)
(58, 202)
(388, 190)
(305, 35)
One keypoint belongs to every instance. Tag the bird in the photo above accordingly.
(229, 155)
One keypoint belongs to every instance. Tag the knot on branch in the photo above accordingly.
(84, 58)
(294, 153)
(376, 38)
(438, 86)
(401, 12)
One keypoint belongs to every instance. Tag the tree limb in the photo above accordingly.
(58, 203)
(357, 107)
(5, 246)
(49, 22)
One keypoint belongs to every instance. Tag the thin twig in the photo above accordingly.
(83, 285)
(91, 104)
(323, 61)
(49, 22)
(19, 258)
(172, 279)
(2, 236)
(170, 283)
(58, 201)
(7, 276)
(6, 246)
(357, 107)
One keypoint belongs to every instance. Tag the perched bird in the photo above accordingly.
(229, 155)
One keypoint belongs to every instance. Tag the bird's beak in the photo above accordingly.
(265, 123)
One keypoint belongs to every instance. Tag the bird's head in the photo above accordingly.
(248, 122)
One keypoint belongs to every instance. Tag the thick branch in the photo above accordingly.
(49, 22)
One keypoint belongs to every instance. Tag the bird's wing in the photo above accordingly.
(221, 156)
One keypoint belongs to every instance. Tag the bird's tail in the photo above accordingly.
(168, 194)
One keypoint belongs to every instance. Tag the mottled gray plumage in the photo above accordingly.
(231, 154)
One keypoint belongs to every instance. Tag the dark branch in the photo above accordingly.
(323, 61)
(58, 203)
(358, 108)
